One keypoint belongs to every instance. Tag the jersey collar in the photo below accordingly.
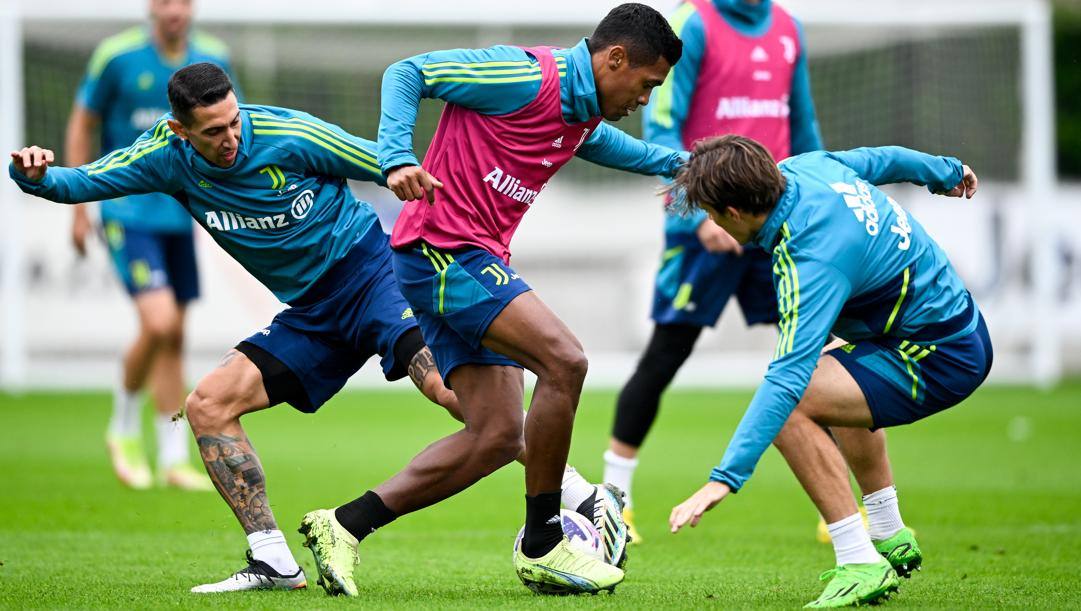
(578, 90)
(747, 19)
(767, 235)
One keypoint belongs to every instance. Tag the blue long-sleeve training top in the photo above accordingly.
(492, 81)
(849, 260)
(283, 209)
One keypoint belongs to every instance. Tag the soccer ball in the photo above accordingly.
(579, 530)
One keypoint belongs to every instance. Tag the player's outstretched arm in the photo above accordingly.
(613, 148)
(496, 80)
(891, 164)
(140, 168)
(323, 147)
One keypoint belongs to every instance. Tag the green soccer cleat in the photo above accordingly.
(857, 584)
(902, 551)
(565, 570)
(334, 549)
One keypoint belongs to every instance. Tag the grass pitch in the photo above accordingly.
(993, 487)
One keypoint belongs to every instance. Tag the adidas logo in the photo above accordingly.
(759, 55)
(557, 143)
(553, 520)
(205, 185)
(408, 313)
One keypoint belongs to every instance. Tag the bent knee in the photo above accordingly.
(501, 447)
(164, 330)
(209, 411)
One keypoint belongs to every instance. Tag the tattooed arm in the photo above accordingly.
(425, 376)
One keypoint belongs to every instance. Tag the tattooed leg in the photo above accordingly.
(425, 376)
(235, 469)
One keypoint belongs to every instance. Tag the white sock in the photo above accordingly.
(851, 543)
(575, 489)
(127, 408)
(172, 441)
(883, 514)
(620, 471)
(270, 547)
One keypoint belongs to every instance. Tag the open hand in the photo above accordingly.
(691, 510)
(31, 161)
(413, 183)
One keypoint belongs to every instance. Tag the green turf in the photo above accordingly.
(993, 488)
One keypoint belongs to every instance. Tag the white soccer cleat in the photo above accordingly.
(258, 575)
(185, 477)
(607, 516)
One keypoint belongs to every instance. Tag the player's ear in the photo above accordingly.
(617, 56)
(178, 129)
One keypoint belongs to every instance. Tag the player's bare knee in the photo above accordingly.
(164, 330)
(209, 411)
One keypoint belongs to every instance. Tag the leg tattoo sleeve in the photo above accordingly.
(235, 469)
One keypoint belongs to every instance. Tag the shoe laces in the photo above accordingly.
(830, 574)
(256, 569)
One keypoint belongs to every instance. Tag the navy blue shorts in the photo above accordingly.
(693, 285)
(150, 260)
(456, 295)
(353, 312)
(906, 381)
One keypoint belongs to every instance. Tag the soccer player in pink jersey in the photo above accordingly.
(514, 116)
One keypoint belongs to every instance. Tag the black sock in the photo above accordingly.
(543, 528)
(362, 516)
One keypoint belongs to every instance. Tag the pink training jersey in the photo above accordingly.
(492, 168)
(744, 82)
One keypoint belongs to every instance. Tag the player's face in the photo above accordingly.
(215, 131)
(622, 88)
(171, 17)
(739, 225)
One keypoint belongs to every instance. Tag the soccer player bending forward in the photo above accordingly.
(847, 259)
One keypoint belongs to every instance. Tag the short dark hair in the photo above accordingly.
(731, 171)
(201, 84)
(642, 30)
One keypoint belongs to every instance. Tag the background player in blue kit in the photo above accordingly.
(747, 57)
(847, 260)
(149, 235)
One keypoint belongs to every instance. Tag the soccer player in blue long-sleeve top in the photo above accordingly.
(847, 259)
(269, 185)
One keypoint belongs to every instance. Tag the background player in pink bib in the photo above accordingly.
(513, 118)
(743, 71)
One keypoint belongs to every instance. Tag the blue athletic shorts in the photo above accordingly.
(149, 260)
(456, 295)
(904, 381)
(351, 313)
(693, 284)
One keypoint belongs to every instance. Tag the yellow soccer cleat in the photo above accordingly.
(565, 570)
(334, 549)
(632, 530)
(129, 461)
(185, 477)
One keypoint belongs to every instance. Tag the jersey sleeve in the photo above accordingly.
(664, 116)
(802, 121)
(810, 296)
(322, 147)
(612, 147)
(143, 167)
(493, 81)
(889, 164)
